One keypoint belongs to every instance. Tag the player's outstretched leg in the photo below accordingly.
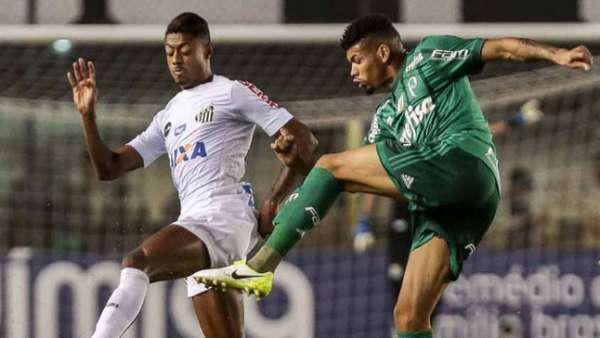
(354, 170)
(238, 276)
(171, 253)
(301, 212)
(427, 275)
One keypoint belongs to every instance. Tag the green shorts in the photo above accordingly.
(451, 194)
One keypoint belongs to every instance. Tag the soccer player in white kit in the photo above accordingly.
(206, 131)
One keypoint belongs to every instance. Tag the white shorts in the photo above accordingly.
(228, 228)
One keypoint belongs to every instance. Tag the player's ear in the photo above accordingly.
(383, 52)
(208, 49)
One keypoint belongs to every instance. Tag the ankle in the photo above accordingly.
(265, 260)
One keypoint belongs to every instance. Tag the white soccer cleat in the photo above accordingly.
(238, 276)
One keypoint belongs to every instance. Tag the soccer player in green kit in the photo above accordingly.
(428, 144)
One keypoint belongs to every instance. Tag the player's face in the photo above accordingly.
(367, 69)
(188, 59)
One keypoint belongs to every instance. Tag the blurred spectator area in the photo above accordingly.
(137, 73)
(50, 199)
(294, 11)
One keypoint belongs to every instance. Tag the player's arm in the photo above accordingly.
(283, 185)
(521, 49)
(107, 163)
(293, 143)
(295, 146)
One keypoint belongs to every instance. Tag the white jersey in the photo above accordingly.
(206, 132)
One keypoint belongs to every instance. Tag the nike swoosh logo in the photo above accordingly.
(235, 275)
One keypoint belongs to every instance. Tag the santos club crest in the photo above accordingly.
(206, 114)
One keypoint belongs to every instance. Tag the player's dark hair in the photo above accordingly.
(373, 25)
(189, 23)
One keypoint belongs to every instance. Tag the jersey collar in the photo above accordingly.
(208, 81)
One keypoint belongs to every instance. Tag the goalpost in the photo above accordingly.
(293, 33)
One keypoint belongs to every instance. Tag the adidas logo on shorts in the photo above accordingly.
(471, 248)
(408, 180)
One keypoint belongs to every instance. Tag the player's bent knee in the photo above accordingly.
(352, 187)
(136, 259)
(329, 162)
(409, 319)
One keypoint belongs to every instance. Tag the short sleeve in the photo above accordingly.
(453, 56)
(251, 104)
(150, 144)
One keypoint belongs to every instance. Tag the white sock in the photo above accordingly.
(123, 305)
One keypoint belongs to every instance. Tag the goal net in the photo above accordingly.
(535, 274)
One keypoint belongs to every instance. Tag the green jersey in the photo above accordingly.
(432, 101)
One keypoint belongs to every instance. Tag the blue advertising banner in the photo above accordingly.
(319, 293)
(538, 294)
(61, 296)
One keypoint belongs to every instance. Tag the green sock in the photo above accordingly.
(420, 334)
(300, 213)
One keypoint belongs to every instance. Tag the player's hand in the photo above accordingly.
(83, 83)
(283, 143)
(286, 150)
(266, 214)
(364, 238)
(578, 58)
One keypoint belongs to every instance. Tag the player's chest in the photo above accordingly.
(190, 129)
(193, 118)
(410, 102)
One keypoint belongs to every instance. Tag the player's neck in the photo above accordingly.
(205, 79)
(394, 67)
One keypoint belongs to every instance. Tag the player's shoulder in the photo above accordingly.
(245, 85)
(245, 88)
(171, 102)
(448, 42)
(160, 116)
(221, 81)
(425, 49)
(436, 41)
(218, 87)
(222, 85)
(218, 84)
